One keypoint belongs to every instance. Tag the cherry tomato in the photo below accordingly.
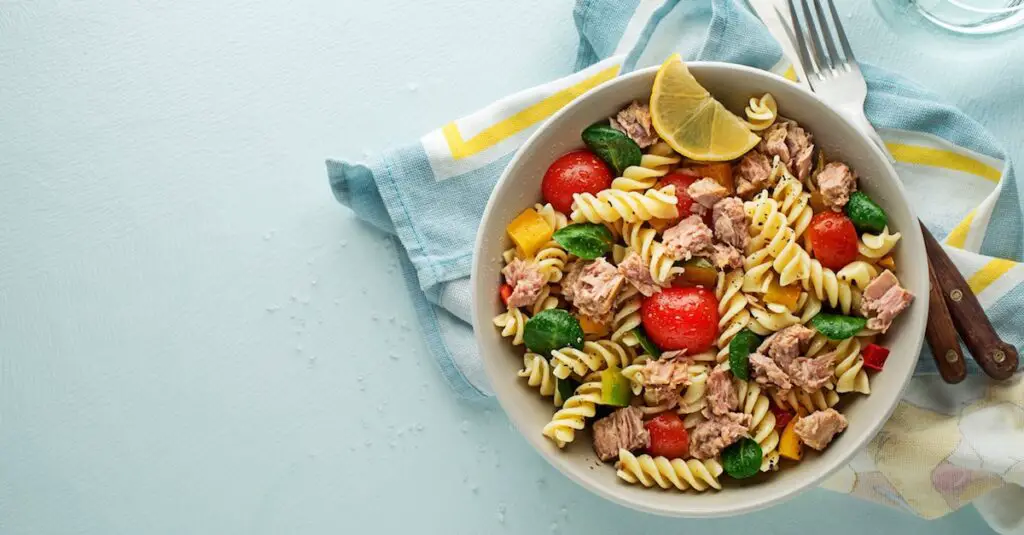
(682, 179)
(505, 291)
(668, 436)
(833, 240)
(782, 417)
(579, 171)
(681, 318)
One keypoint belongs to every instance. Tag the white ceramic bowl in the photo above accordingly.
(520, 187)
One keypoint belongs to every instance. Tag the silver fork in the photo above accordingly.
(832, 75)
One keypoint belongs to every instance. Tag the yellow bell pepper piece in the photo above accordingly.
(529, 231)
(591, 327)
(787, 296)
(720, 172)
(888, 263)
(790, 445)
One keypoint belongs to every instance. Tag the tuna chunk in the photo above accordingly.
(712, 436)
(731, 222)
(593, 291)
(722, 396)
(812, 373)
(687, 239)
(767, 372)
(635, 121)
(706, 192)
(725, 257)
(798, 141)
(883, 300)
(638, 274)
(773, 142)
(836, 182)
(568, 283)
(526, 281)
(787, 344)
(752, 174)
(664, 378)
(817, 429)
(623, 429)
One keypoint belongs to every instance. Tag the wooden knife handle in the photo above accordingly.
(941, 335)
(996, 358)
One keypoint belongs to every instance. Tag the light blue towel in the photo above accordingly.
(433, 202)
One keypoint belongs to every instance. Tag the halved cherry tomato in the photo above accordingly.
(681, 318)
(579, 171)
(782, 417)
(505, 291)
(668, 436)
(682, 179)
(833, 239)
(874, 356)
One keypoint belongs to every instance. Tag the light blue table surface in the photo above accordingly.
(195, 338)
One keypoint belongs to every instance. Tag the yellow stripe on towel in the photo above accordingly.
(958, 237)
(989, 273)
(522, 120)
(919, 155)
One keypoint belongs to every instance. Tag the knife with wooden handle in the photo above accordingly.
(996, 358)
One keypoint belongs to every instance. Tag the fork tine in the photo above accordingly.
(826, 34)
(847, 51)
(819, 48)
(801, 42)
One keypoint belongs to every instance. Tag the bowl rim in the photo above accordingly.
(562, 463)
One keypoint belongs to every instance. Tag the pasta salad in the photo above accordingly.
(702, 317)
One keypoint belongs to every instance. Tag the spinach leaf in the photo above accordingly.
(838, 327)
(646, 343)
(552, 329)
(585, 240)
(742, 459)
(742, 345)
(612, 146)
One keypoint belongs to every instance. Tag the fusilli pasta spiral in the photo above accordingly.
(537, 372)
(793, 201)
(551, 259)
(555, 219)
(611, 205)
(665, 473)
(829, 288)
(761, 112)
(595, 356)
(796, 400)
(732, 310)
(644, 240)
(772, 233)
(644, 176)
(512, 323)
(850, 374)
(694, 398)
(766, 322)
(762, 421)
(627, 318)
(875, 246)
(574, 412)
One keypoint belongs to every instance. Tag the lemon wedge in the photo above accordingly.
(691, 121)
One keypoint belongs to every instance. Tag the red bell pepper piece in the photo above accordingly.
(874, 356)
(506, 292)
(782, 417)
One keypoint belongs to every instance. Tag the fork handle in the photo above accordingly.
(855, 114)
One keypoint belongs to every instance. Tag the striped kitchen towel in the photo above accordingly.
(943, 447)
